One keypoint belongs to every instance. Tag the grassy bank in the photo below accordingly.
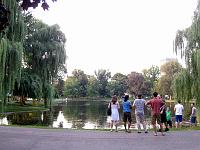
(16, 107)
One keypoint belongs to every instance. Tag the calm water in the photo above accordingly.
(71, 114)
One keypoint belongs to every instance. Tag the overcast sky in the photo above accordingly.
(118, 35)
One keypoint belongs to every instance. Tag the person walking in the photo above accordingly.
(139, 104)
(155, 105)
(193, 115)
(115, 113)
(126, 112)
(178, 108)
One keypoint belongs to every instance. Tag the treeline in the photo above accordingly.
(102, 84)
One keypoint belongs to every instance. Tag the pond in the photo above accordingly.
(72, 114)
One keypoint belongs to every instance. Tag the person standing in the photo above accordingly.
(115, 113)
(127, 112)
(193, 115)
(178, 108)
(163, 115)
(139, 104)
(109, 114)
(155, 105)
(168, 117)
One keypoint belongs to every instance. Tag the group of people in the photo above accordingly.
(160, 114)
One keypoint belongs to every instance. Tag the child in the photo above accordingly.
(168, 117)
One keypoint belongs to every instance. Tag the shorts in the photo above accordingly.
(193, 119)
(127, 116)
(169, 122)
(179, 118)
(156, 117)
(163, 118)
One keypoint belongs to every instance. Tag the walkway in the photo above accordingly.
(16, 138)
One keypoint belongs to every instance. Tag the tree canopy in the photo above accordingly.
(187, 43)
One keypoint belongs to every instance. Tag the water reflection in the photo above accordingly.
(4, 121)
(61, 122)
(70, 115)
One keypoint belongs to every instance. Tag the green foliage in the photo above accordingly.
(71, 87)
(10, 65)
(11, 48)
(181, 86)
(195, 63)
(82, 82)
(92, 87)
(168, 69)
(44, 53)
(151, 77)
(59, 87)
(187, 42)
(118, 84)
(136, 84)
(15, 30)
(30, 85)
(102, 79)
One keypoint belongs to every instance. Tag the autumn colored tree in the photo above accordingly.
(137, 84)
(168, 70)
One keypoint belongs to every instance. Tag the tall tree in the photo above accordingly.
(102, 79)
(136, 83)
(187, 43)
(82, 80)
(11, 48)
(168, 70)
(44, 53)
(71, 87)
(118, 84)
(151, 76)
(92, 87)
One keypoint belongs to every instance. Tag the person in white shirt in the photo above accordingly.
(139, 105)
(178, 108)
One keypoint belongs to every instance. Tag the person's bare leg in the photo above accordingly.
(129, 125)
(155, 130)
(116, 124)
(161, 127)
(180, 124)
(176, 124)
(111, 126)
(144, 126)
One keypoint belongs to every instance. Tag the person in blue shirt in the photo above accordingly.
(126, 112)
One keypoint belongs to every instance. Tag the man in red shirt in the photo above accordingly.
(155, 105)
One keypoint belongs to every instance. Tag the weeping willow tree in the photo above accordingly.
(187, 44)
(181, 86)
(30, 85)
(44, 54)
(11, 49)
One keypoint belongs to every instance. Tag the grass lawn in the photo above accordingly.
(16, 107)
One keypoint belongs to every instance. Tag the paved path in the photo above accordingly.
(16, 138)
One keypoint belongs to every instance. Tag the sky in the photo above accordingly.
(120, 36)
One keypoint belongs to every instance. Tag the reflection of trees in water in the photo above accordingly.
(81, 112)
(47, 118)
(24, 118)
